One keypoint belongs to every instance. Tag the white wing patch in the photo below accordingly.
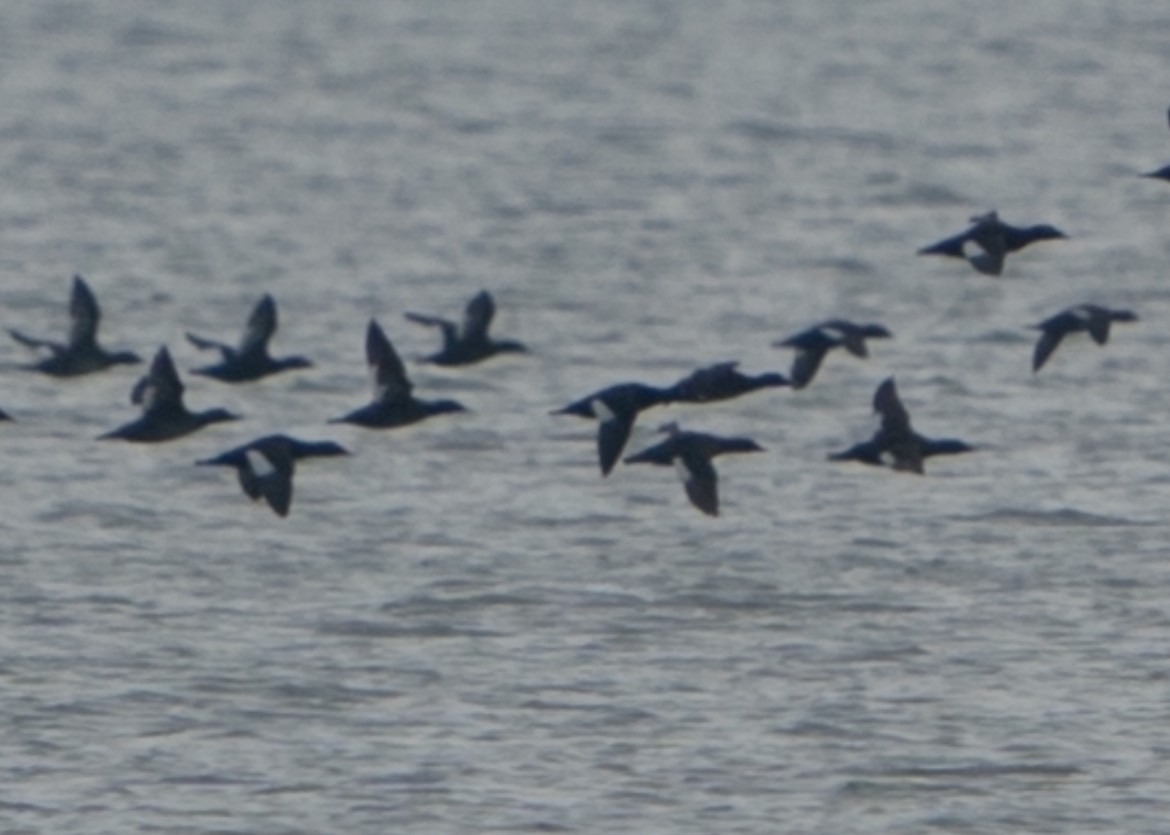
(601, 411)
(259, 463)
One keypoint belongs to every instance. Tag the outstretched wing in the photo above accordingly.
(886, 403)
(1048, 342)
(84, 313)
(389, 375)
(805, 365)
(161, 388)
(260, 326)
(700, 481)
(209, 344)
(34, 342)
(477, 317)
(449, 330)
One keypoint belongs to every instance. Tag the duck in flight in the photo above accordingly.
(690, 453)
(1091, 318)
(988, 241)
(615, 408)
(722, 381)
(896, 444)
(394, 404)
(81, 353)
(249, 360)
(265, 466)
(164, 417)
(813, 344)
(468, 342)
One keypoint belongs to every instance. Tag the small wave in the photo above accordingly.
(373, 629)
(1067, 517)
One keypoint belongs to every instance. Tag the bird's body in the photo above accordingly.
(249, 360)
(722, 381)
(988, 241)
(468, 342)
(691, 453)
(266, 465)
(394, 403)
(1090, 318)
(615, 408)
(164, 416)
(80, 353)
(813, 344)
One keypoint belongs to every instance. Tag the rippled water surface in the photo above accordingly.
(463, 628)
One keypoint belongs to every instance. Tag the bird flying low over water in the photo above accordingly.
(164, 417)
(80, 353)
(250, 360)
(896, 444)
(691, 453)
(468, 342)
(394, 404)
(813, 344)
(1091, 318)
(721, 381)
(265, 466)
(616, 408)
(988, 241)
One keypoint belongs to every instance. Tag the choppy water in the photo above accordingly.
(464, 628)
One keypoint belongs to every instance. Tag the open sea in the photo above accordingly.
(463, 628)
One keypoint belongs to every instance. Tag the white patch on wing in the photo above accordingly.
(259, 463)
(680, 467)
(601, 410)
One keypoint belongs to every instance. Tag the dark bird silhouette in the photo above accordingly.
(393, 404)
(265, 466)
(813, 344)
(988, 241)
(615, 408)
(250, 360)
(691, 453)
(896, 443)
(469, 342)
(1162, 173)
(164, 417)
(721, 381)
(4, 415)
(1084, 317)
(80, 353)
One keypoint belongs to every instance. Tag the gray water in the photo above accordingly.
(463, 628)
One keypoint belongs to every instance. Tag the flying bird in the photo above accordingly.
(250, 359)
(895, 443)
(813, 344)
(394, 403)
(164, 416)
(615, 408)
(80, 353)
(265, 466)
(988, 241)
(1090, 318)
(690, 453)
(722, 381)
(469, 341)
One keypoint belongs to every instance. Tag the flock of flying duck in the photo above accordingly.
(265, 466)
